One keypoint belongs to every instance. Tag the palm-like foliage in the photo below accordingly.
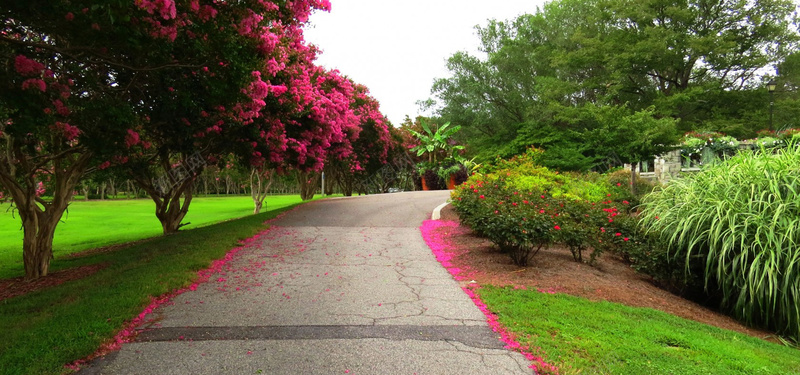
(741, 218)
(433, 142)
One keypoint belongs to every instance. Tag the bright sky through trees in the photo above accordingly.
(398, 48)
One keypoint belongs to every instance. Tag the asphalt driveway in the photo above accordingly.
(337, 286)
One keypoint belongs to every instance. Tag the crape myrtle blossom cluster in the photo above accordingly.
(143, 86)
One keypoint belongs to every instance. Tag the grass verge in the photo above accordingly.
(93, 224)
(584, 337)
(44, 330)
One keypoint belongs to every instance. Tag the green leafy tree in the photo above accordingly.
(633, 137)
(697, 61)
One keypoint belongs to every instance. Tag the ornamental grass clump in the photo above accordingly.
(740, 221)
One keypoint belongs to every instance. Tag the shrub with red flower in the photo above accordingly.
(523, 210)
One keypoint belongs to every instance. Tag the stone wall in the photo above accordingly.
(668, 167)
(671, 165)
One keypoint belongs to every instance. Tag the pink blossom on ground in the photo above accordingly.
(129, 332)
(444, 252)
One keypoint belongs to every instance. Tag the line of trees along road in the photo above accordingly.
(157, 91)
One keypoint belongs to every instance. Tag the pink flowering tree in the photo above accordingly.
(307, 117)
(197, 114)
(367, 146)
(57, 109)
(330, 125)
(144, 85)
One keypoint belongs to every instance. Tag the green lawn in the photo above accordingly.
(584, 337)
(46, 329)
(92, 224)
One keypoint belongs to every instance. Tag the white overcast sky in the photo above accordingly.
(398, 48)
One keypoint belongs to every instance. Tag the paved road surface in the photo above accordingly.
(339, 286)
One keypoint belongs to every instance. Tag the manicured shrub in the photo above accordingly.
(648, 253)
(532, 158)
(620, 182)
(740, 222)
(525, 208)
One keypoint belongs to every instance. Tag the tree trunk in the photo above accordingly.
(331, 178)
(37, 243)
(172, 194)
(260, 182)
(308, 184)
(112, 188)
(346, 183)
(173, 207)
(633, 179)
(40, 217)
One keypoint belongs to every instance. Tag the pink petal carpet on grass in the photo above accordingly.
(445, 251)
(128, 332)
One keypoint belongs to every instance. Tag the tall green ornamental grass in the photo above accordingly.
(740, 220)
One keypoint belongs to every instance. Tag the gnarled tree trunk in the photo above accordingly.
(172, 192)
(172, 208)
(260, 181)
(308, 182)
(85, 190)
(347, 183)
(39, 227)
(331, 177)
(40, 217)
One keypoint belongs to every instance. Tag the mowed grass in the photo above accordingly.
(93, 224)
(44, 330)
(584, 337)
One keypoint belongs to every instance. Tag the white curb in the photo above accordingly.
(437, 212)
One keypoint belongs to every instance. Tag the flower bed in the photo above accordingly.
(523, 210)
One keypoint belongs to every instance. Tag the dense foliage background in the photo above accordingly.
(578, 75)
